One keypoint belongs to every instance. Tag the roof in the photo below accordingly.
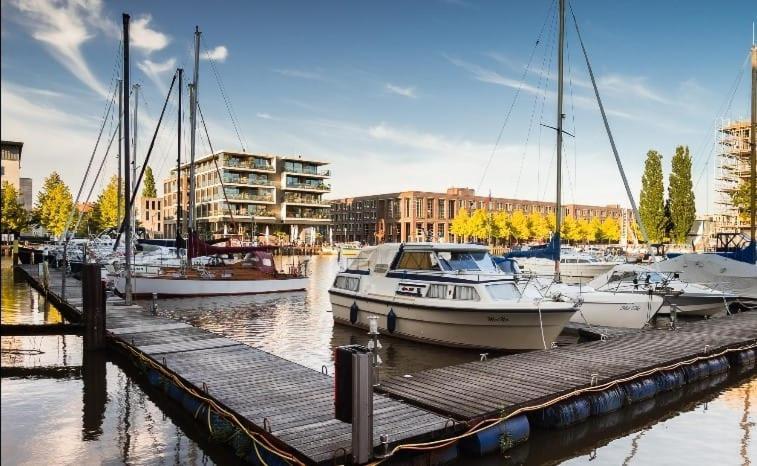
(13, 143)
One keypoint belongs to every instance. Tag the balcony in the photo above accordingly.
(309, 215)
(249, 164)
(246, 180)
(321, 187)
(245, 197)
(295, 198)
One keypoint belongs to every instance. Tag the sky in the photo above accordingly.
(394, 95)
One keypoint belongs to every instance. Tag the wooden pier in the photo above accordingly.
(290, 404)
(289, 407)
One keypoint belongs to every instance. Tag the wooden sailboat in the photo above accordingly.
(255, 273)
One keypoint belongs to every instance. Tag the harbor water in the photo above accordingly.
(62, 407)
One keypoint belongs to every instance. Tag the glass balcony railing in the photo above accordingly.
(315, 215)
(243, 197)
(297, 198)
(247, 180)
(310, 186)
(307, 170)
(254, 164)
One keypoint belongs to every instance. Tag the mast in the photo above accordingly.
(558, 197)
(753, 156)
(118, 156)
(133, 225)
(193, 130)
(127, 160)
(180, 71)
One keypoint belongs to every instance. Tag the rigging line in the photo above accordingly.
(89, 165)
(226, 100)
(543, 79)
(515, 98)
(547, 65)
(97, 176)
(721, 109)
(215, 162)
(573, 120)
(727, 110)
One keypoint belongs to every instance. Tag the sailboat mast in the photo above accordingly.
(753, 156)
(193, 131)
(133, 225)
(560, 116)
(127, 159)
(118, 157)
(180, 71)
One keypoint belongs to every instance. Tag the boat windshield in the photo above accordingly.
(475, 261)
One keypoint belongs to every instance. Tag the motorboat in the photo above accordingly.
(446, 294)
(575, 266)
(598, 308)
(721, 273)
(690, 298)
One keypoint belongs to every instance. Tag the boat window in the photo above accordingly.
(503, 291)
(621, 277)
(654, 277)
(415, 260)
(465, 293)
(437, 291)
(477, 261)
(347, 283)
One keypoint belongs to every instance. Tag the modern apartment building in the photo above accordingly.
(10, 171)
(252, 195)
(424, 216)
(150, 215)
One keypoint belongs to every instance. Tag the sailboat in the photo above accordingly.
(255, 273)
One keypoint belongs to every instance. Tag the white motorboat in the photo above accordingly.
(445, 294)
(575, 267)
(690, 298)
(712, 270)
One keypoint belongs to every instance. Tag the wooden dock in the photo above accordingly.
(293, 404)
(499, 386)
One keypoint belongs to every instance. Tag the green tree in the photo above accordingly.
(149, 187)
(13, 216)
(54, 204)
(681, 195)
(460, 226)
(106, 213)
(538, 226)
(519, 226)
(651, 202)
(741, 199)
(609, 230)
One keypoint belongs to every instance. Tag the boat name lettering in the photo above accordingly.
(497, 318)
(630, 307)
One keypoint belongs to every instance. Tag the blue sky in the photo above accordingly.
(396, 95)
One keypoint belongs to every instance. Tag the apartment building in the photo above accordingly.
(427, 216)
(10, 171)
(251, 195)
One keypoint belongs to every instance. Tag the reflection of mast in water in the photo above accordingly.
(126, 422)
(634, 447)
(746, 426)
(94, 394)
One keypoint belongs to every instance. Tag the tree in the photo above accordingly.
(149, 188)
(502, 224)
(609, 230)
(585, 231)
(106, 213)
(741, 199)
(570, 230)
(13, 216)
(595, 233)
(519, 226)
(538, 226)
(651, 202)
(461, 224)
(681, 195)
(54, 204)
(481, 225)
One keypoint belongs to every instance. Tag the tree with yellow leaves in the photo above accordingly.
(519, 226)
(538, 226)
(609, 230)
(502, 224)
(460, 226)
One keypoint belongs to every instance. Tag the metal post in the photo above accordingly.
(120, 137)
(375, 346)
(362, 408)
(193, 130)
(65, 269)
(155, 304)
(753, 157)
(558, 198)
(134, 160)
(673, 316)
(127, 161)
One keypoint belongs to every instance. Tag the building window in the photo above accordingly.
(429, 208)
(419, 208)
(440, 209)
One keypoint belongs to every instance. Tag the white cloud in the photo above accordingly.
(157, 71)
(143, 37)
(403, 91)
(218, 54)
(265, 116)
(61, 27)
(631, 86)
(302, 74)
(490, 76)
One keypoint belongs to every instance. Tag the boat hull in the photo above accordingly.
(569, 273)
(622, 311)
(516, 329)
(697, 304)
(189, 287)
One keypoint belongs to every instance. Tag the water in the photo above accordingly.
(57, 407)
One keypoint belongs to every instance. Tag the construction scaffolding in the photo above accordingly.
(731, 173)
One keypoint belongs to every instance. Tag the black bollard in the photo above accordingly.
(93, 302)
